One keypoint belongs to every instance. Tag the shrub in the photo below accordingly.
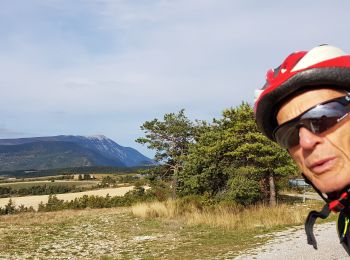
(10, 208)
(160, 190)
(243, 190)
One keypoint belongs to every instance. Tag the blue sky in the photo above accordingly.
(85, 67)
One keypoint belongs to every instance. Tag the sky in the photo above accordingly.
(87, 67)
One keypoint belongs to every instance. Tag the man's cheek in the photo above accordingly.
(297, 159)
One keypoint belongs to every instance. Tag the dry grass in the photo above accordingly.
(34, 218)
(165, 209)
(226, 217)
(258, 216)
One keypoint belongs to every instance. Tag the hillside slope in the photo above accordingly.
(66, 151)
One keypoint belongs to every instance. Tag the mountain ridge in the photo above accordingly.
(67, 151)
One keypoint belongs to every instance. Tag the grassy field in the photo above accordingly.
(34, 201)
(123, 233)
(114, 234)
(28, 184)
(99, 176)
(4, 179)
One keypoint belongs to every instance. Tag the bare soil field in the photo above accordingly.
(34, 201)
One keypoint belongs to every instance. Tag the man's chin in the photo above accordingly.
(332, 186)
(330, 181)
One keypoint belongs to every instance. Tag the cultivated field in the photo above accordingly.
(34, 201)
(28, 184)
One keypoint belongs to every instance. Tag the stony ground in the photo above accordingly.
(291, 244)
(116, 234)
(111, 234)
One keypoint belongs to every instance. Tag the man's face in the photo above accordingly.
(323, 158)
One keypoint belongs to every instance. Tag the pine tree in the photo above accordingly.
(232, 157)
(170, 138)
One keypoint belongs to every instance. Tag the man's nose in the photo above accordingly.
(307, 139)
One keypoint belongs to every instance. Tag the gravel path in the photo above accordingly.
(291, 244)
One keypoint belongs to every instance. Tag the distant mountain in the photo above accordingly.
(65, 151)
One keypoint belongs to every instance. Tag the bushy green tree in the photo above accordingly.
(242, 187)
(230, 152)
(170, 138)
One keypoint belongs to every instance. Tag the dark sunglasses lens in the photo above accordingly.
(317, 120)
(328, 110)
(323, 117)
(320, 125)
(287, 136)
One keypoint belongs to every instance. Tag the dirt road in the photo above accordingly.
(306, 195)
(291, 244)
(34, 201)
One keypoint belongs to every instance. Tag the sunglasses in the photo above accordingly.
(316, 119)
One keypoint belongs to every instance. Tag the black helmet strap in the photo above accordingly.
(310, 221)
(336, 202)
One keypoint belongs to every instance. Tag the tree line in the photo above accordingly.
(158, 191)
(7, 191)
(226, 159)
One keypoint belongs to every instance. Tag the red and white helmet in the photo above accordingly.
(323, 66)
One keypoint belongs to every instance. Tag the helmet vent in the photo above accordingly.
(317, 55)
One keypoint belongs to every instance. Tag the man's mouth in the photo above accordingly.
(323, 165)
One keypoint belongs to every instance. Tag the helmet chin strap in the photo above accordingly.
(335, 201)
